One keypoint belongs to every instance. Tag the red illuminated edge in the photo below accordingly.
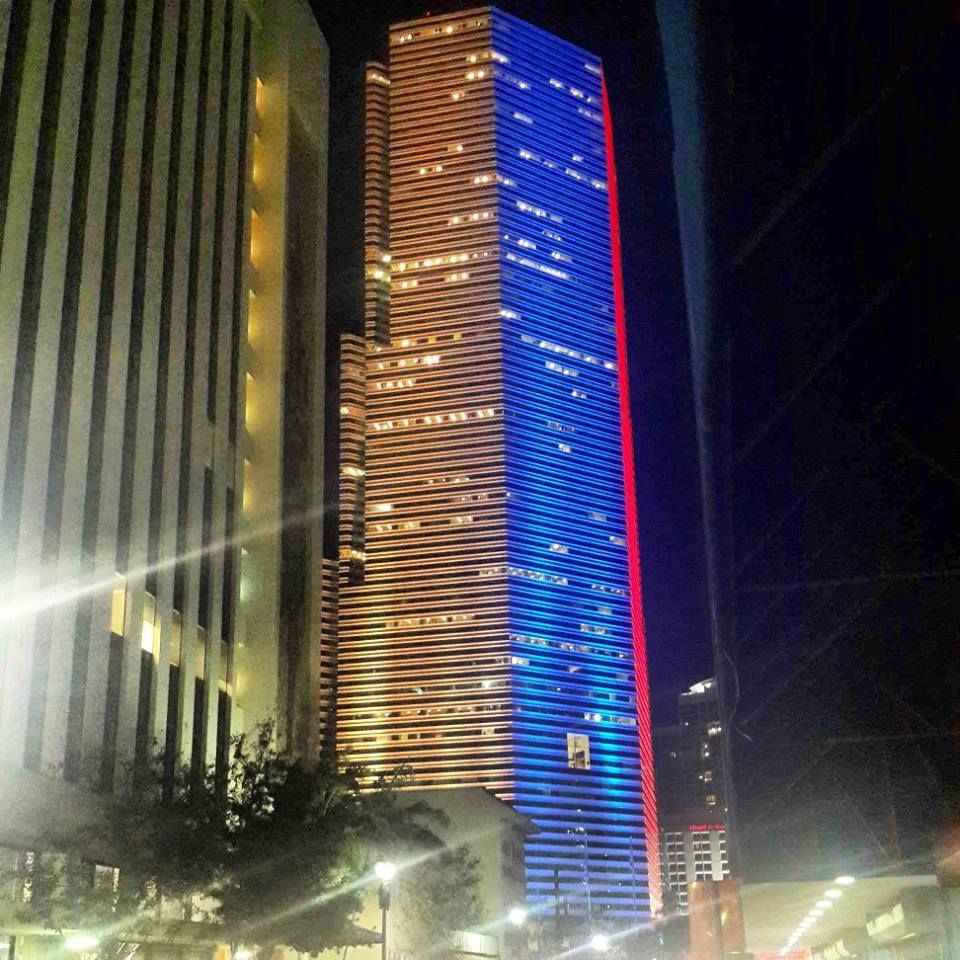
(633, 545)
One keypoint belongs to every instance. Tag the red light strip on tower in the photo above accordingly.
(651, 826)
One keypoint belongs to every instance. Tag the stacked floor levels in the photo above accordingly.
(497, 637)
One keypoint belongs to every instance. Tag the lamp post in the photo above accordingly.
(518, 918)
(385, 873)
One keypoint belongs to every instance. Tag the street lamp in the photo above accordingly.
(385, 872)
(242, 954)
(600, 943)
(517, 916)
(81, 942)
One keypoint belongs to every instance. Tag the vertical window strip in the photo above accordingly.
(193, 280)
(124, 517)
(71, 289)
(222, 758)
(239, 247)
(32, 285)
(198, 747)
(173, 722)
(111, 713)
(91, 519)
(229, 567)
(10, 84)
(206, 595)
(213, 353)
(142, 741)
(114, 199)
(166, 290)
(24, 365)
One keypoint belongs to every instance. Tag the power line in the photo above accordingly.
(850, 581)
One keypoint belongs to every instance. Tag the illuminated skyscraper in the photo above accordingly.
(497, 637)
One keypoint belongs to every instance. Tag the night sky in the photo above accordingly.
(625, 36)
(830, 159)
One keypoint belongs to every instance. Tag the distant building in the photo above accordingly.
(688, 758)
(493, 833)
(690, 853)
(690, 790)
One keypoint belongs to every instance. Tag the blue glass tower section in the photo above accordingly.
(575, 673)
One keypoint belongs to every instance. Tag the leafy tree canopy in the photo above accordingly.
(280, 852)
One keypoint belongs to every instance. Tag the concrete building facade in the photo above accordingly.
(162, 221)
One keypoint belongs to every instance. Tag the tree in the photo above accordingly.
(302, 841)
(439, 895)
(281, 850)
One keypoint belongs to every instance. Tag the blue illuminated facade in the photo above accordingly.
(571, 633)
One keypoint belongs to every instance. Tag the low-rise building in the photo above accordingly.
(493, 833)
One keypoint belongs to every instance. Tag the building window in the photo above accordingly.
(118, 604)
(176, 638)
(150, 630)
(106, 878)
(578, 751)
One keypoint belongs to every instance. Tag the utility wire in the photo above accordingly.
(850, 581)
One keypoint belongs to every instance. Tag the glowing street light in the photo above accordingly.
(845, 881)
(833, 893)
(242, 954)
(517, 916)
(600, 943)
(824, 904)
(80, 942)
(385, 872)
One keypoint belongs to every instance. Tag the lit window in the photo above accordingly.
(150, 629)
(248, 409)
(247, 472)
(118, 604)
(578, 751)
(106, 877)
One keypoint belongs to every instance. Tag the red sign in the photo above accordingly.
(700, 827)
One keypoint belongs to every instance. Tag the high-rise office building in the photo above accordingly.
(496, 638)
(692, 794)
(162, 201)
(689, 760)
